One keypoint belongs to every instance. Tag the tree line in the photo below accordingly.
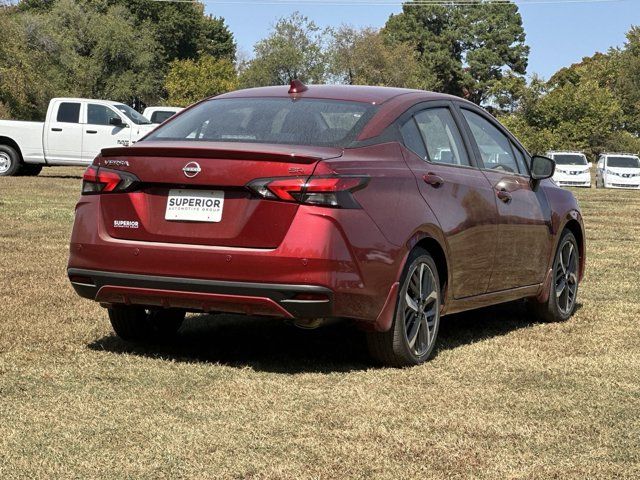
(174, 53)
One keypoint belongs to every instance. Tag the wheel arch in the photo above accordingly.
(575, 227)
(436, 251)
(10, 142)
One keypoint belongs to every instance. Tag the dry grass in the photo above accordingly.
(241, 397)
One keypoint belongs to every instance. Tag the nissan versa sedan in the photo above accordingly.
(387, 207)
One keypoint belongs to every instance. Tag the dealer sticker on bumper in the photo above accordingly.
(195, 205)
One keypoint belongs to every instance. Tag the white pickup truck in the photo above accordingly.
(73, 133)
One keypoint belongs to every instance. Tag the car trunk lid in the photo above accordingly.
(218, 170)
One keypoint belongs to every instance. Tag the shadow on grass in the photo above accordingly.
(273, 346)
(63, 177)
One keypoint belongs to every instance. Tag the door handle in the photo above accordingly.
(92, 131)
(504, 196)
(56, 129)
(433, 180)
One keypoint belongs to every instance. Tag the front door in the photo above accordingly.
(457, 192)
(524, 236)
(99, 133)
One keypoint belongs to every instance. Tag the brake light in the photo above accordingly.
(332, 191)
(104, 180)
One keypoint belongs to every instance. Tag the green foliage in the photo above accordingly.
(588, 106)
(294, 49)
(189, 81)
(115, 49)
(463, 50)
(365, 57)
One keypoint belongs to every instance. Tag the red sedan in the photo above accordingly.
(387, 207)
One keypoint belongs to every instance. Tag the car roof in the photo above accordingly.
(614, 154)
(72, 99)
(354, 93)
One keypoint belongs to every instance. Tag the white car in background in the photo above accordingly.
(572, 169)
(159, 114)
(73, 133)
(618, 170)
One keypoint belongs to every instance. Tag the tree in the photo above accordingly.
(293, 49)
(628, 82)
(576, 109)
(365, 57)
(463, 50)
(189, 81)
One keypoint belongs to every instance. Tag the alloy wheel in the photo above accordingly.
(566, 277)
(421, 309)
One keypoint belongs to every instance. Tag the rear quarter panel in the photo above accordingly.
(28, 137)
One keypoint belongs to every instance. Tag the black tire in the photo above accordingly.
(394, 348)
(30, 169)
(561, 306)
(139, 324)
(10, 161)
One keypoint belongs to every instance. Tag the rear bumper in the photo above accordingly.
(337, 253)
(278, 300)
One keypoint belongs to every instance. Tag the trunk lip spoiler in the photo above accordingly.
(228, 151)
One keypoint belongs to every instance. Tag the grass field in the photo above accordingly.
(237, 397)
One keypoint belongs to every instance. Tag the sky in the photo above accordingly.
(558, 34)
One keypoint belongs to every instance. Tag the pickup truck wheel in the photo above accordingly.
(30, 170)
(140, 324)
(9, 161)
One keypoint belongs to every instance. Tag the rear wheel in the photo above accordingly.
(564, 282)
(9, 161)
(412, 336)
(141, 324)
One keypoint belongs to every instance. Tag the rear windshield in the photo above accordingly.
(623, 162)
(567, 159)
(269, 120)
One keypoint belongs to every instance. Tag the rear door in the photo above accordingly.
(63, 133)
(457, 192)
(98, 133)
(524, 237)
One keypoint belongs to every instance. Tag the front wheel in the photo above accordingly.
(564, 282)
(412, 336)
(140, 324)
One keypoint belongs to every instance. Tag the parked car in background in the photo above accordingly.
(618, 170)
(160, 114)
(572, 169)
(385, 206)
(73, 133)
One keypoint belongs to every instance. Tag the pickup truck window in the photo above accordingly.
(69, 113)
(100, 114)
(134, 116)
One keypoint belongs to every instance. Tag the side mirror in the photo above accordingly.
(541, 168)
(116, 122)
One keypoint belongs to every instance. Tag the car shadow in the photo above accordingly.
(271, 345)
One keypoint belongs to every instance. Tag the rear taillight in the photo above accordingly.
(104, 180)
(334, 191)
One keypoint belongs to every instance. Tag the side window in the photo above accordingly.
(441, 136)
(522, 162)
(412, 139)
(69, 113)
(160, 116)
(495, 146)
(100, 114)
